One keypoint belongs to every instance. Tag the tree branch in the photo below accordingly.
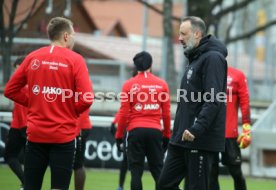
(228, 30)
(11, 20)
(26, 18)
(232, 8)
(161, 12)
(227, 36)
(213, 20)
(2, 24)
(215, 3)
(250, 33)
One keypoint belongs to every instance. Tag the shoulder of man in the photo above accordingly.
(213, 53)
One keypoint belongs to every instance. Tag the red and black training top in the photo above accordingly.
(145, 101)
(237, 97)
(59, 90)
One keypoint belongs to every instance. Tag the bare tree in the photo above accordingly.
(7, 33)
(155, 9)
(168, 41)
(205, 9)
(249, 34)
(168, 35)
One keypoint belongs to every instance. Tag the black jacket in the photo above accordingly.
(201, 98)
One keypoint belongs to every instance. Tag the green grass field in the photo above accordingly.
(107, 180)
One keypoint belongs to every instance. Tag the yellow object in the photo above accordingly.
(244, 139)
(246, 128)
(260, 36)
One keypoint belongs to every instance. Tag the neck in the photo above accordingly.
(58, 43)
(148, 70)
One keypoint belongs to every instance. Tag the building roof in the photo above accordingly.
(108, 27)
(130, 14)
(123, 49)
(23, 9)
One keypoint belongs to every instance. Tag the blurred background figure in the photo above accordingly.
(16, 139)
(124, 164)
(237, 97)
(84, 126)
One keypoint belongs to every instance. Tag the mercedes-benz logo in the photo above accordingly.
(135, 88)
(35, 64)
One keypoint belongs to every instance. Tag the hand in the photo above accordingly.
(246, 128)
(187, 136)
(244, 139)
(112, 129)
(165, 143)
(120, 144)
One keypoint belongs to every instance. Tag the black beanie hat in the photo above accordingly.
(142, 61)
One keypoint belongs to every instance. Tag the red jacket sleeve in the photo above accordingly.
(116, 118)
(166, 113)
(83, 87)
(19, 116)
(15, 85)
(243, 96)
(123, 112)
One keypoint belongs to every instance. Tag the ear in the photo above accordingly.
(65, 36)
(198, 34)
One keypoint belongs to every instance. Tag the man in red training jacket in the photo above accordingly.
(59, 90)
(237, 97)
(144, 101)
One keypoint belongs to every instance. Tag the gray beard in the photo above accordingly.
(190, 45)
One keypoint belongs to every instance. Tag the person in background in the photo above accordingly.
(124, 163)
(199, 124)
(59, 91)
(237, 97)
(84, 130)
(16, 139)
(145, 99)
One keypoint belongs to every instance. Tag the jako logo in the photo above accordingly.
(36, 89)
(138, 107)
(151, 106)
(51, 90)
